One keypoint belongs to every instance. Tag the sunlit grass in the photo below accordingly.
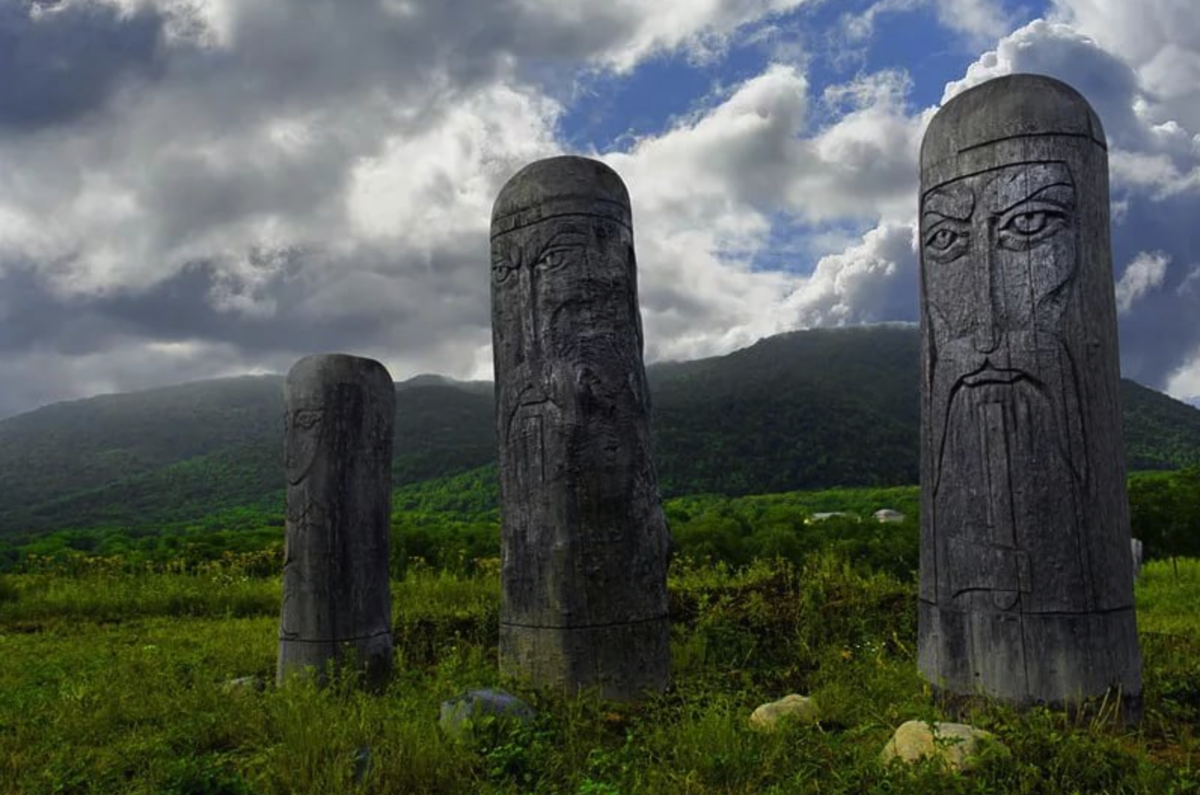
(116, 683)
(1168, 597)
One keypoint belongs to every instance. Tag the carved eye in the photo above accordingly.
(1024, 227)
(501, 270)
(306, 418)
(942, 239)
(1028, 223)
(554, 258)
(946, 243)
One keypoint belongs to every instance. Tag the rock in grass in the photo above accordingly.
(362, 763)
(244, 684)
(795, 707)
(957, 744)
(462, 715)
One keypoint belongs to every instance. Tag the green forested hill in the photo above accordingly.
(807, 409)
(810, 409)
(179, 453)
(58, 451)
(1160, 432)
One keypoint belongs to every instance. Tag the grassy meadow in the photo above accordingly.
(114, 681)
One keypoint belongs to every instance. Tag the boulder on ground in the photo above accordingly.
(796, 707)
(956, 744)
(244, 684)
(462, 715)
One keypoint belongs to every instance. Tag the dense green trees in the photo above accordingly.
(805, 410)
(451, 523)
(1165, 512)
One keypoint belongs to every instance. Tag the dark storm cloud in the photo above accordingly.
(32, 318)
(307, 316)
(65, 62)
(175, 310)
(286, 53)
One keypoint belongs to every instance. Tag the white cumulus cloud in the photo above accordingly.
(1144, 273)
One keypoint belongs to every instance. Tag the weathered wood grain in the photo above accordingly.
(584, 538)
(338, 453)
(1025, 586)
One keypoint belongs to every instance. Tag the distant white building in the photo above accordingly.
(888, 515)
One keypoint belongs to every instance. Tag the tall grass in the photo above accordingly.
(116, 683)
(1168, 597)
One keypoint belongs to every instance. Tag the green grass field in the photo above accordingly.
(112, 682)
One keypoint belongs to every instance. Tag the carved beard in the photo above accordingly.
(581, 414)
(1006, 497)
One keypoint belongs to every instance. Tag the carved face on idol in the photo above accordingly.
(1006, 238)
(999, 258)
(303, 427)
(562, 287)
(999, 253)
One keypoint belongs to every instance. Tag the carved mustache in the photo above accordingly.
(959, 363)
(992, 375)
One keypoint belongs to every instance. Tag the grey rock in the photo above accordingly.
(884, 515)
(791, 707)
(1025, 587)
(244, 684)
(584, 541)
(956, 744)
(460, 717)
(363, 763)
(1137, 550)
(338, 451)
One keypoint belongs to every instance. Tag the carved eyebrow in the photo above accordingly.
(931, 217)
(1059, 189)
(1022, 182)
(957, 205)
(565, 238)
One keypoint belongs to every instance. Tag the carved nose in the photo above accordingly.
(987, 335)
(529, 315)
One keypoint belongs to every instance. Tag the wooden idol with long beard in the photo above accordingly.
(584, 540)
(1025, 586)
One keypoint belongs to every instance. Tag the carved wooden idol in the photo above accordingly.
(1025, 586)
(584, 539)
(338, 456)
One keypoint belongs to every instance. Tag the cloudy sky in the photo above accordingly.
(198, 188)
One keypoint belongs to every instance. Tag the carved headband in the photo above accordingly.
(562, 206)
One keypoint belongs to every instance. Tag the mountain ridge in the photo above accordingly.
(805, 409)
